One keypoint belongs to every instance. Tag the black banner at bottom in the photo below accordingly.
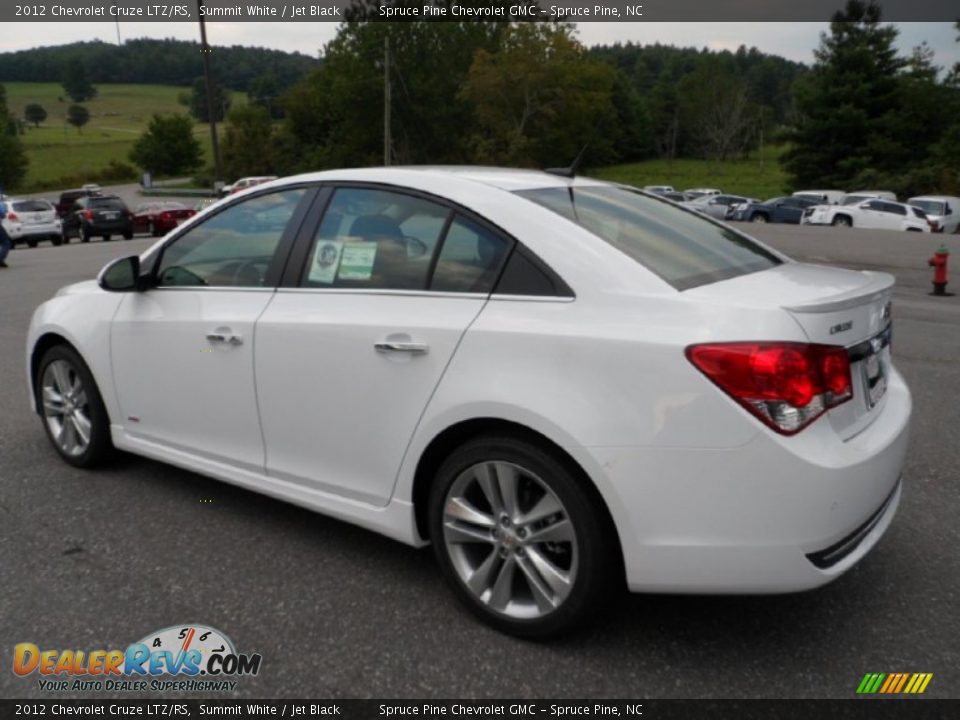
(859, 709)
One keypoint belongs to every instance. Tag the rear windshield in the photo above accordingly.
(106, 204)
(931, 207)
(31, 206)
(683, 248)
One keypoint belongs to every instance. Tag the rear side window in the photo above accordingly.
(470, 259)
(894, 208)
(683, 248)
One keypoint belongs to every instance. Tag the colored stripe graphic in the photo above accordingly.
(894, 683)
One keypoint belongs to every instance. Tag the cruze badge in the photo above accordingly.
(842, 327)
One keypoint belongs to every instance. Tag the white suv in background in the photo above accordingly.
(30, 221)
(872, 214)
(940, 209)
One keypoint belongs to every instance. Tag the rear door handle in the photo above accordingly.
(392, 346)
(224, 336)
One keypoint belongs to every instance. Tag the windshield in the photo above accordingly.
(107, 204)
(683, 248)
(931, 207)
(32, 206)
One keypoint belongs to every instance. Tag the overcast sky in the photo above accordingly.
(794, 40)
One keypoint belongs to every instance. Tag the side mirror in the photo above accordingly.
(949, 210)
(122, 275)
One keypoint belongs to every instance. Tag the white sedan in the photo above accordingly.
(561, 383)
(872, 214)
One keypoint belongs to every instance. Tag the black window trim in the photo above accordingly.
(296, 265)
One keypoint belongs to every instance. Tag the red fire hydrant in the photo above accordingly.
(939, 264)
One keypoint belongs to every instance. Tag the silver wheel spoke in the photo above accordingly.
(80, 396)
(502, 591)
(557, 579)
(68, 436)
(61, 376)
(561, 531)
(460, 509)
(542, 594)
(458, 532)
(509, 482)
(52, 401)
(487, 480)
(82, 426)
(481, 579)
(547, 505)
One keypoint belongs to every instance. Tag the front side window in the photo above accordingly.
(233, 248)
(683, 248)
(375, 239)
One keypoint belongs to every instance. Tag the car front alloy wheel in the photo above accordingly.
(73, 412)
(518, 537)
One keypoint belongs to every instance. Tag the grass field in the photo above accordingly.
(118, 116)
(742, 177)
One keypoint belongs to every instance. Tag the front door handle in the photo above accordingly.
(392, 346)
(224, 336)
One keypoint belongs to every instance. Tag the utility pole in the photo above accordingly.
(386, 101)
(119, 41)
(208, 81)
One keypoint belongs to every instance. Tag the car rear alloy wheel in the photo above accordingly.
(73, 412)
(517, 537)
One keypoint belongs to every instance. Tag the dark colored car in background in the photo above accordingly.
(69, 197)
(159, 218)
(775, 210)
(102, 215)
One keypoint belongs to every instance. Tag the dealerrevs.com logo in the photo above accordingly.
(185, 658)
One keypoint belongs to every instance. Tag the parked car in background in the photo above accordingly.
(774, 210)
(694, 193)
(943, 210)
(716, 206)
(92, 188)
(159, 218)
(69, 197)
(677, 197)
(103, 215)
(730, 420)
(823, 197)
(874, 214)
(659, 189)
(247, 182)
(860, 195)
(30, 221)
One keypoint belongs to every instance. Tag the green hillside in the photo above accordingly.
(60, 156)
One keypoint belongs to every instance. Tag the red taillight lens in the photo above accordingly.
(164, 215)
(12, 216)
(787, 385)
(88, 214)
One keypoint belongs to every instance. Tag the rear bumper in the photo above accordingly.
(779, 514)
(21, 231)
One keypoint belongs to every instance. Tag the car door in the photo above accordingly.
(788, 210)
(182, 351)
(351, 349)
(870, 215)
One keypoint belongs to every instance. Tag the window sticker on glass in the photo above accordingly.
(323, 269)
(356, 261)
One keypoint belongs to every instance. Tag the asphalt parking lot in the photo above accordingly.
(96, 560)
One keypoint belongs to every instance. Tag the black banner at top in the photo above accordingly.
(280, 11)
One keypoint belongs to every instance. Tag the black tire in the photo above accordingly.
(100, 447)
(106, 238)
(32, 242)
(128, 234)
(592, 550)
(759, 218)
(56, 240)
(842, 221)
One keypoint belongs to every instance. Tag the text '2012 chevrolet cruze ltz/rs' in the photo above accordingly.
(562, 384)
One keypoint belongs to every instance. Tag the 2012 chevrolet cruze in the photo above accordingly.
(558, 382)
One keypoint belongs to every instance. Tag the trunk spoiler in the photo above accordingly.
(879, 284)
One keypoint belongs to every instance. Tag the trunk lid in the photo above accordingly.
(833, 306)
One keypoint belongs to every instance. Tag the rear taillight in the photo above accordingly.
(12, 216)
(164, 216)
(787, 385)
(88, 214)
